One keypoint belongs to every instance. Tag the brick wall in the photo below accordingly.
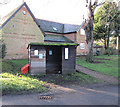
(18, 33)
(69, 65)
(71, 36)
(78, 38)
(81, 39)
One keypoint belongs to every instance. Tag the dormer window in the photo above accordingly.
(82, 32)
(54, 28)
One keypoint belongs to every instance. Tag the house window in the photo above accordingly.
(35, 52)
(82, 32)
(66, 53)
(24, 12)
(82, 45)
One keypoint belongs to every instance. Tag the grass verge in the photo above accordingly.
(13, 82)
(105, 64)
(77, 78)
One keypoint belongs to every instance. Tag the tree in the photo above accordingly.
(89, 28)
(99, 29)
(106, 21)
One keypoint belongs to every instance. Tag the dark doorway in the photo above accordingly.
(54, 60)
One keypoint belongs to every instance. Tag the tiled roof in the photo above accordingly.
(51, 26)
(45, 26)
(8, 16)
(56, 27)
(71, 28)
(57, 38)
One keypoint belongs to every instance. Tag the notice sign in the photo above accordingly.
(66, 53)
(40, 56)
(35, 52)
(50, 52)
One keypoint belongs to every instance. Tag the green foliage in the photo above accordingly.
(99, 44)
(112, 51)
(107, 14)
(13, 66)
(90, 58)
(2, 49)
(108, 65)
(14, 82)
(20, 84)
(85, 78)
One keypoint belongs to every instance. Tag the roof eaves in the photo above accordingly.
(80, 26)
(16, 12)
(70, 32)
(52, 41)
(53, 44)
(69, 39)
(11, 16)
(60, 33)
(34, 18)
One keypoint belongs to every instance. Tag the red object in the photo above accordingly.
(25, 68)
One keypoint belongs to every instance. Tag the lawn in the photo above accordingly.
(15, 83)
(104, 64)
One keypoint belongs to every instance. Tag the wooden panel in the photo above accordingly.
(68, 65)
(38, 65)
(35, 70)
(38, 60)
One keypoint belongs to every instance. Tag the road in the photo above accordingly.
(72, 95)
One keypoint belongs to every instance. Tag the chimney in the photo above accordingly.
(23, 1)
(83, 17)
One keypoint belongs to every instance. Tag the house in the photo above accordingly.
(76, 33)
(20, 28)
(48, 52)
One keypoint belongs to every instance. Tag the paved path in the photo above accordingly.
(98, 75)
(72, 95)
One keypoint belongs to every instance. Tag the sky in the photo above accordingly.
(63, 11)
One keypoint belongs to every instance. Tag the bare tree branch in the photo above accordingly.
(100, 4)
(95, 3)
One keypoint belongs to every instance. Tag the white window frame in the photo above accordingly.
(82, 47)
(66, 53)
(82, 32)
